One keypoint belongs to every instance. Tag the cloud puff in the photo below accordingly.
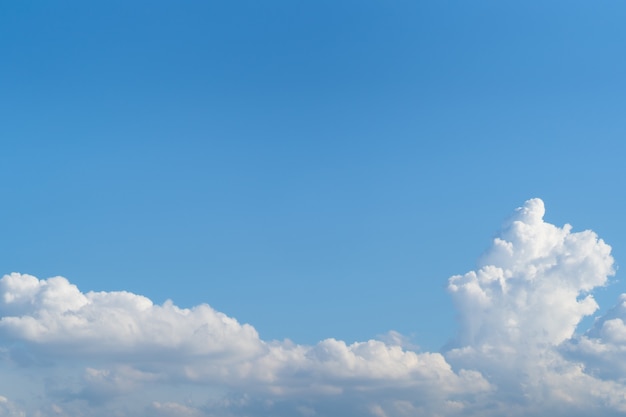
(529, 293)
(139, 343)
(516, 352)
(603, 347)
(532, 286)
(55, 314)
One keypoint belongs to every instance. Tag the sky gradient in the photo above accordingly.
(319, 170)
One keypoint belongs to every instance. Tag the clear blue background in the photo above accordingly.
(316, 168)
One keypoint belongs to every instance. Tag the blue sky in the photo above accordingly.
(316, 169)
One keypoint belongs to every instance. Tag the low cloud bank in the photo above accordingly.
(516, 352)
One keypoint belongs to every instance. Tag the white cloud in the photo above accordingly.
(138, 345)
(603, 347)
(526, 298)
(516, 353)
(55, 314)
(531, 287)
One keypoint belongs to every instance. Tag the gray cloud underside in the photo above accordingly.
(69, 353)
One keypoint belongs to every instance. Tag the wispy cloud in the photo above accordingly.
(516, 352)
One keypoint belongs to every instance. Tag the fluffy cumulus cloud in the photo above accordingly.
(603, 347)
(111, 348)
(522, 306)
(516, 352)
